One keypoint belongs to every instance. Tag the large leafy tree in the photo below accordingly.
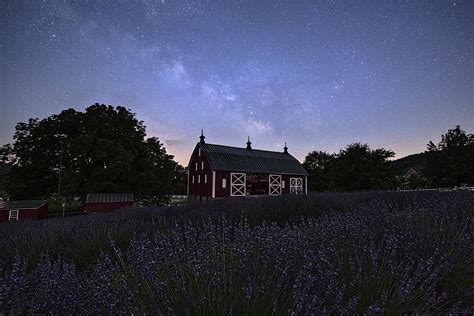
(357, 167)
(354, 168)
(319, 165)
(102, 149)
(450, 162)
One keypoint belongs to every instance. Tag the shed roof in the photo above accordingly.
(227, 158)
(109, 198)
(21, 205)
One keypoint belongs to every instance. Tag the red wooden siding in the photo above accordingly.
(225, 192)
(199, 189)
(203, 190)
(220, 191)
(26, 214)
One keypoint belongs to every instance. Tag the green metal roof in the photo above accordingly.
(109, 198)
(227, 158)
(23, 204)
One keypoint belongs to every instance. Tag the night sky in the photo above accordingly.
(318, 75)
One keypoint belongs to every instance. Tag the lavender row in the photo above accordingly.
(376, 255)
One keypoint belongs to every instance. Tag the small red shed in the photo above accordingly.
(216, 171)
(108, 202)
(23, 210)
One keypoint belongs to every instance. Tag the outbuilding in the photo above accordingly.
(218, 171)
(23, 210)
(108, 202)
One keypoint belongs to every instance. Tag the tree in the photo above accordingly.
(318, 165)
(4, 170)
(450, 162)
(102, 149)
(357, 167)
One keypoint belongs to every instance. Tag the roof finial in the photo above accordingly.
(249, 147)
(285, 149)
(202, 137)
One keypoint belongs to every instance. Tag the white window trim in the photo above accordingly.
(202, 165)
(12, 217)
(196, 166)
(224, 183)
(205, 178)
(213, 184)
(295, 184)
(193, 179)
(306, 185)
(199, 178)
(199, 152)
(282, 184)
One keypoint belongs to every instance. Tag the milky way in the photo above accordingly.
(318, 75)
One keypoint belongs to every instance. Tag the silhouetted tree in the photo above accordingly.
(102, 149)
(451, 160)
(357, 167)
(318, 165)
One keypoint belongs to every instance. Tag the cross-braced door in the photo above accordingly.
(274, 184)
(237, 184)
(296, 185)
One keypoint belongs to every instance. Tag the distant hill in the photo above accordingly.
(416, 162)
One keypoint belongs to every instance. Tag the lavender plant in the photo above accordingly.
(374, 253)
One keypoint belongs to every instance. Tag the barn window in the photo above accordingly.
(296, 185)
(13, 216)
(193, 179)
(205, 178)
(199, 152)
(196, 166)
(224, 183)
(283, 184)
(202, 165)
(199, 178)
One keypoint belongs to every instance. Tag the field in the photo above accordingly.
(318, 254)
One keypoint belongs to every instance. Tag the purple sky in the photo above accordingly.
(318, 75)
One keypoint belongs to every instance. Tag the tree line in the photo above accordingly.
(357, 167)
(105, 149)
(102, 149)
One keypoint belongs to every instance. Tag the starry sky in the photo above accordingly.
(316, 74)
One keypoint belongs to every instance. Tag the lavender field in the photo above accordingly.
(318, 254)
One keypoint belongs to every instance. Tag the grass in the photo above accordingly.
(55, 209)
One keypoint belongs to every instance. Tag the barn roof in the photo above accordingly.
(21, 205)
(227, 158)
(109, 198)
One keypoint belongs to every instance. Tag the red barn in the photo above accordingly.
(22, 210)
(108, 202)
(217, 171)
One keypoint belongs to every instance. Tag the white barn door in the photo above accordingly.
(274, 187)
(237, 184)
(296, 185)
